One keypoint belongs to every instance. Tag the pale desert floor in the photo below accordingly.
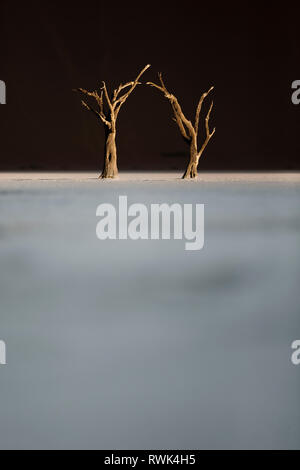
(141, 344)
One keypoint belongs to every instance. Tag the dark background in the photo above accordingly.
(249, 53)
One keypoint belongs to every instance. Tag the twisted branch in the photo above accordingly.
(198, 110)
(118, 102)
(114, 103)
(106, 95)
(100, 114)
(208, 133)
(185, 126)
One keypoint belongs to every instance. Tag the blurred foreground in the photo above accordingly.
(141, 344)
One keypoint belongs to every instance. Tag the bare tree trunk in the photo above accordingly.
(191, 170)
(110, 169)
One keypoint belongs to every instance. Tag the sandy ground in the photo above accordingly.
(141, 344)
(215, 177)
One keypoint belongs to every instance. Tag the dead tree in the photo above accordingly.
(107, 113)
(188, 131)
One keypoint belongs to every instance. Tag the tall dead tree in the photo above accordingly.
(188, 131)
(107, 113)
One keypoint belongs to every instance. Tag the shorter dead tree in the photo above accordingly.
(107, 113)
(188, 131)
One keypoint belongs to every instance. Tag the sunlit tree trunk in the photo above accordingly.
(110, 169)
(191, 170)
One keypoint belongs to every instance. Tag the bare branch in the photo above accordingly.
(106, 95)
(85, 92)
(119, 102)
(120, 88)
(162, 82)
(161, 87)
(207, 121)
(198, 110)
(156, 86)
(99, 115)
(116, 102)
(90, 108)
(85, 105)
(101, 103)
(99, 100)
(208, 133)
(180, 118)
(93, 94)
